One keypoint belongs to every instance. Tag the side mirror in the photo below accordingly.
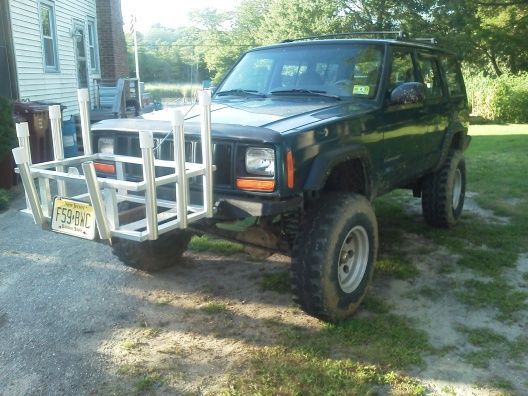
(408, 93)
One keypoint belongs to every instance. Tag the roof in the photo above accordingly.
(323, 41)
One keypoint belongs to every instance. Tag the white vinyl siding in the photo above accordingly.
(34, 82)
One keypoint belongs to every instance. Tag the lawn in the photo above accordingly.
(446, 313)
(375, 351)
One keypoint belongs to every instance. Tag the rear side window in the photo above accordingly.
(455, 82)
(431, 76)
(402, 69)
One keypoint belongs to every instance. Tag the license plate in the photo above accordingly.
(73, 218)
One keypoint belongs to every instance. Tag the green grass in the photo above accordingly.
(396, 267)
(360, 356)
(495, 293)
(488, 262)
(498, 129)
(277, 281)
(214, 307)
(519, 347)
(483, 337)
(4, 198)
(490, 345)
(375, 305)
(282, 371)
(496, 170)
(129, 345)
(149, 381)
(171, 90)
(214, 245)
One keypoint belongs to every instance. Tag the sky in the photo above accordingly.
(170, 13)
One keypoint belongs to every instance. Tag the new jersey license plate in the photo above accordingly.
(73, 218)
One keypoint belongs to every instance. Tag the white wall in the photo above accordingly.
(33, 82)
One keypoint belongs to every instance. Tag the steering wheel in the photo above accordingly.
(342, 83)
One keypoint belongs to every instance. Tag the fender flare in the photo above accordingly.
(323, 164)
(448, 140)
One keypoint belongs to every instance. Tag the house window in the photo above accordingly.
(49, 38)
(92, 44)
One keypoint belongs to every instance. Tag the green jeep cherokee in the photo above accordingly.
(306, 135)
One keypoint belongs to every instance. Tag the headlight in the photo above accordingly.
(260, 161)
(105, 145)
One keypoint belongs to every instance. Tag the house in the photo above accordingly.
(50, 48)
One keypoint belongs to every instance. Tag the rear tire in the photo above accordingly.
(333, 256)
(151, 256)
(443, 192)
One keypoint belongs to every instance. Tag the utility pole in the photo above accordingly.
(136, 56)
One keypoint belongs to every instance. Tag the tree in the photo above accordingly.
(491, 38)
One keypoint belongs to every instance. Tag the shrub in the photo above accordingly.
(4, 198)
(504, 98)
(7, 127)
(171, 90)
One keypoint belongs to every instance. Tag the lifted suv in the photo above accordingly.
(306, 134)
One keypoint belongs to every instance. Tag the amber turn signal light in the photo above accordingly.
(289, 169)
(255, 185)
(105, 168)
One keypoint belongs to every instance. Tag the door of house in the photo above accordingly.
(7, 75)
(80, 54)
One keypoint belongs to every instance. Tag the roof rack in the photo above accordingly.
(398, 35)
(431, 40)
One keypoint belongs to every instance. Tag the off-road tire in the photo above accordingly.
(317, 253)
(151, 256)
(440, 207)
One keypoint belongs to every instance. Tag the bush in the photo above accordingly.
(4, 198)
(7, 127)
(503, 99)
(171, 90)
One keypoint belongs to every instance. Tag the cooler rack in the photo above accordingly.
(105, 194)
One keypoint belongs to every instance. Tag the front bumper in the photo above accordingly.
(230, 207)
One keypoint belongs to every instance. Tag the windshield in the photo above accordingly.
(332, 70)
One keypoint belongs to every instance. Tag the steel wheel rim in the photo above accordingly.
(353, 259)
(457, 188)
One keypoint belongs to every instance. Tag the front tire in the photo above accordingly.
(333, 256)
(151, 256)
(443, 192)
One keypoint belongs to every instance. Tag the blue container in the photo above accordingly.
(69, 139)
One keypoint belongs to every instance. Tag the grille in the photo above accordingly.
(222, 158)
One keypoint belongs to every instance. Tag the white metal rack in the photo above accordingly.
(104, 193)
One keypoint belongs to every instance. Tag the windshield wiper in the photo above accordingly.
(301, 91)
(240, 92)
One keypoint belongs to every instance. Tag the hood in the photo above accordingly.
(277, 114)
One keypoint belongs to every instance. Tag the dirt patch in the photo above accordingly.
(193, 349)
(430, 299)
(470, 206)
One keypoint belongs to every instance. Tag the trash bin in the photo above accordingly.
(69, 138)
(37, 116)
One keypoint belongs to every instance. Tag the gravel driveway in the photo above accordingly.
(58, 297)
(74, 320)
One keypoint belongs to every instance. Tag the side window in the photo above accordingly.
(431, 76)
(455, 82)
(49, 37)
(92, 45)
(402, 69)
